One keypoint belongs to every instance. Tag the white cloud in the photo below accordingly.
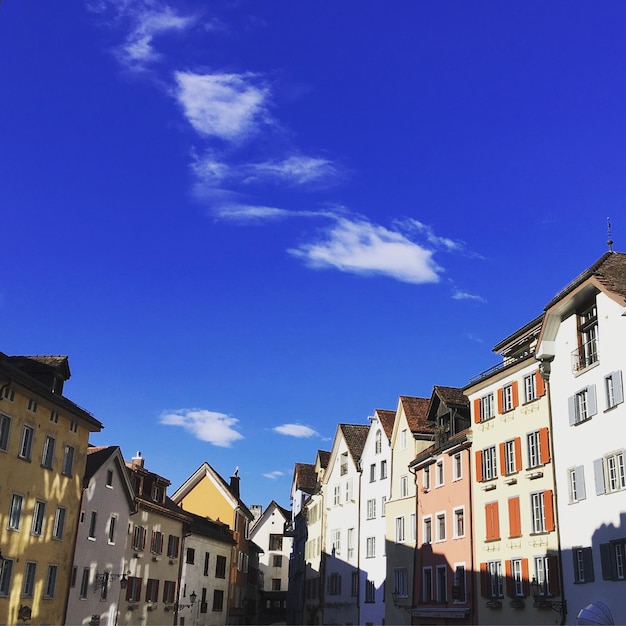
(274, 475)
(226, 106)
(296, 170)
(464, 295)
(216, 428)
(435, 240)
(295, 430)
(360, 247)
(249, 213)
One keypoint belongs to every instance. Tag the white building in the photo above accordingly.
(99, 569)
(375, 461)
(583, 346)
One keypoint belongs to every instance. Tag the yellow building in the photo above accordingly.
(43, 448)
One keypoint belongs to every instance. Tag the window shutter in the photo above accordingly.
(606, 561)
(485, 591)
(525, 578)
(493, 521)
(553, 574)
(618, 389)
(515, 522)
(508, 569)
(540, 384)
(588, 564)
(153, 542)
(515, 393)
(544, 446)
(502, 459)
(477, 411)
(579, 476)
(479, 466)
(500, 399)
(518, 454)
(571, 410)
(592, 403)
(129, 590)
(548, 505)
(598, 472)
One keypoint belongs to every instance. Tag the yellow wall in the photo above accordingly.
(207, 500)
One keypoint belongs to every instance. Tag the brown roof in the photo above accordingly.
(355, 436)
(416, 411)
(324, 458)
(386, 418)
(609, 270)
(305, 476)
(452, 396)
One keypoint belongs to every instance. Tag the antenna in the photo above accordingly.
(609, 241)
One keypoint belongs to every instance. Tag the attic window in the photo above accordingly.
(157, 493)
(587, 334)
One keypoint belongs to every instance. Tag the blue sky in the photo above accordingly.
(246, 222)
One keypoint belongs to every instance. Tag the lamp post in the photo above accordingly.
(192, 600)
(540, 599)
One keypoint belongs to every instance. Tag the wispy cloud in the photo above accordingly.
(210, 426)
(295, 170)
(360, 247)
(296, 430)
(435, 240)
(459, 294)
(229, 107)
(274, 475)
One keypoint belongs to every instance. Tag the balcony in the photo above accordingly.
(585, 356)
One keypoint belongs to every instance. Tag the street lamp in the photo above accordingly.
(192, 598)
(541, 601)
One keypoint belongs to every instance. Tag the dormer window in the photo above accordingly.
(587, 333)
(157, 493)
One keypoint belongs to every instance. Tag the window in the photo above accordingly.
(372, 472)
(5, 430)
(172, 547)
(413, 527)
(439, 474)
(139, 538)
(427, 529)
(486, 407)
(427, 584)
(403, 439)
(530, 387)
(349, 490)
(442, 583)
(133, 589)
(610, 472)
(401, 582)
(542, 511)
(38, 517)
(48, 452)
(517, 577)
(277, 560)
(612, 556)
(152, 590)
(383, 506)
(441, 526)
(334, 584)
(532, 441)
(54, 417)
(218, 600)
(51, 581)
(426, 477)
(158, 493)
(26, 443)
(383, 470)
(371, 547)
(587, 352)
(29, 579)
(542, 574)
(156, 543)
(112, 524)
(6, 570)
(379, 442)
(8, 394)
(371, 509)
(491, 574)
(343, 470)
(370, 591)
(354, 590)
(459, 585)
(191, 556)
(275, 584)
(84, 583)
(492, 521)
(457, 467)
(73, 427)
(276, 542)
(512, 451)
(59, 523)
(336, 495)
(15, 512)
(582, 405)
(169, 591)
(583, 565)
(220, 567)
(576, 483)
(92, 525)
(404, 486)
(32, 405)
(399, 529)
(68, 460)
(350, 543)
(336, 541)
(459, 522)
(613, 389)
(109, 479)
(509, 401)
(486, 464)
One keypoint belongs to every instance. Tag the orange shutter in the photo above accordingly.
(502, 459)
(525, 578)
(544, 446)
(510, 588)
(477, 411)
(515, 522)
(540, 384)
(485, 591)
(500, 399)
(479, 466)
(549, 509)
(492, 520)
(515, 393)
(518, 454)
(553, 575)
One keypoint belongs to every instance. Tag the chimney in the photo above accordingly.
(137, 461)
(234, 483)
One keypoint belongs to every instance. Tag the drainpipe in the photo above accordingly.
(359, 469)
(415, 549)
(544, 370)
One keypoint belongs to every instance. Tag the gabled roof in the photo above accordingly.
(355, 436)
(324, 457)
(97, 456)
(386, 419)
(416, 412)
(59, 363)
(273, 505)
(305, 477)
(451, 396)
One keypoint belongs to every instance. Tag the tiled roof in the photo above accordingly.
(609, 270)
(324, 458)
(306, 478)
(96, 457)
(355, 436)
(386, 418)
(416, 411)
(452, 396)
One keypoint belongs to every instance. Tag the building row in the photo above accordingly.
(501, 502)
(87, 537)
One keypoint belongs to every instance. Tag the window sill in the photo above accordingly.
(582, 370)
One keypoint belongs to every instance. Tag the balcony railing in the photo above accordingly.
(585, 356)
